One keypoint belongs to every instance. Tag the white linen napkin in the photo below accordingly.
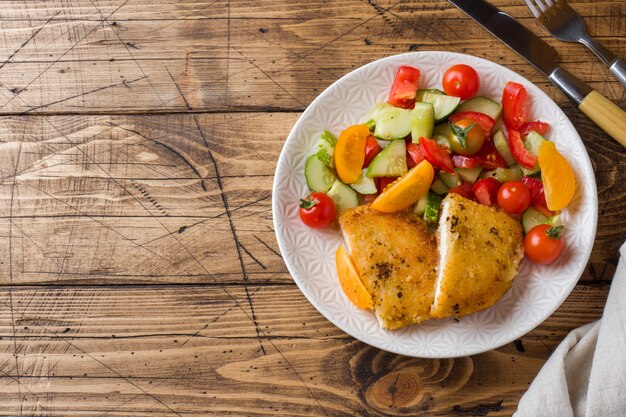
(586, 374)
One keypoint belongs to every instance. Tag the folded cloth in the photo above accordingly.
(586, 374)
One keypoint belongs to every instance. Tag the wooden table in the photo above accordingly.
(139, 269)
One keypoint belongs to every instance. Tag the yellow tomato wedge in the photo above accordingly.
(350, 152)
(350, 280)
(557, 175)
(406, 190)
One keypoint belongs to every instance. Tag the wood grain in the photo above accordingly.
(139, 272)
(195, 351)
(264, 57)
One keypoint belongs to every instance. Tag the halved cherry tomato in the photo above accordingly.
(484, 121)
(350, 152)
(383, 182)
(436, 154)
(460, 161)
(351, 281)
(537, 195)
(486, 191)
(414, 155)
(372, 148)
(558, 178)
(543, 244)
(464, 190)
(539, 127)
(514, 105)
(489, 156)
(404, 87)
(472, 134)
(406, 190)
(317, 210)
(513, 197)
(522, 155)
(461, 81)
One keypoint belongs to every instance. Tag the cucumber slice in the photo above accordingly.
(393, 123)
(442, 141)
(438, 186)
(555, 220)
(420, 206)
(502, 145)
(469, 174)
(450, 180)
(374, 113)
(343, 196)
(444, 105)
(504, 174)
(532, 141)
(482, 105)
(326, 148)
(532, 218)
(431, 212)
(419, 96)
(318, 176)
(442, 129)
(364, 185)
(422, 121)
(371, 124)
(390, 162)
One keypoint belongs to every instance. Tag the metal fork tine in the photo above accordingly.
(532, 8)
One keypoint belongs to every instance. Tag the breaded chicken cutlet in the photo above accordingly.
(413, 276)
(480, 249)
(396, 256)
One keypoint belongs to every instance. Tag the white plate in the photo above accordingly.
(309, 255)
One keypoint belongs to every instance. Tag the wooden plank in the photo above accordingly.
(196, 351)
(120, 199)
(254, 61)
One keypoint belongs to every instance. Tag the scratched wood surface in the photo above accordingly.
(139, 272)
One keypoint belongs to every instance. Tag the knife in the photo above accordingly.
(529, 46)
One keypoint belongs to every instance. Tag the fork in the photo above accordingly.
(565, 24)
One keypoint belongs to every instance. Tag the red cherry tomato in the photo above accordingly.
(317, 210)
(464, 190)
(436, 154)
(460, 161)
(539, 127)
(372, 148)
(485, 122)
(543, 244)
(486, 191)
(513, 197)
(537, 195)
(514, 105)
(414, 155)
(522, 155)
(404, 87)
(461, 81)
(489, 156)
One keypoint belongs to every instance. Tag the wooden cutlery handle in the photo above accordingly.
(605, 114)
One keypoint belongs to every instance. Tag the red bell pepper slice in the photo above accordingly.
(484, 121)
(538, 126)
(486, 191)
(372, 148)
(489, 156)
(383, 182)
(436, 154)
(464, 190)
(404, 87)
(460, 161)
(514, 105)
(522, 155)
(413, 155)
(537, 195)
